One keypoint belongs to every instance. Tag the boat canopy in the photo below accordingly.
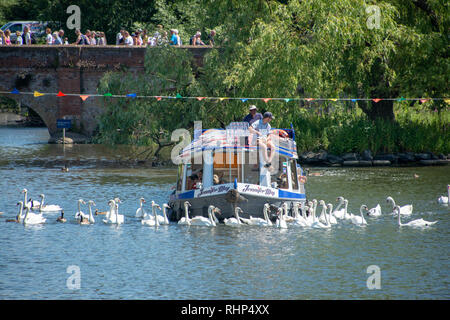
(237, 137)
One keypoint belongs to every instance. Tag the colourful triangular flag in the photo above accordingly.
(38, 94)
(158, 98)
(244, 99)
(84, 97)
(423, 100)
(287, 100)
(221, 99)
(178, 96)
(60, 94)
(354, 100)
(15, 91)
(131, 95)
(376, 100)
(266, 99)
(401, 99)
(447, 101)
(107, 94)
(333, 99)
(200, 98)
(309, 99)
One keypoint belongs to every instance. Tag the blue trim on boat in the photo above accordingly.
(290, 195)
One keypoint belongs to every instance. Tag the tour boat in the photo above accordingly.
(232, 171)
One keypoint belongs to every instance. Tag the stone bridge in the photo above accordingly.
(69, 69)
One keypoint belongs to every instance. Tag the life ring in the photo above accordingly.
(302, 179)
(281, 133)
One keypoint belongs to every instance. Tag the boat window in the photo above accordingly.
(251, 168)
(280, 176)
(294, 174)
(194, 175)
(227, 167)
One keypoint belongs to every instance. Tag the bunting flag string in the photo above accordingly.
(244, 100)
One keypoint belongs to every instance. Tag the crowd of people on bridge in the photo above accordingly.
(137, 38)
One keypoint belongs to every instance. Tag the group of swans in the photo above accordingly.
(39, 205)
(153, 220)
(27, 217)
(211, 221)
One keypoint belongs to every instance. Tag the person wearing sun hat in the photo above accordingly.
(253, 115)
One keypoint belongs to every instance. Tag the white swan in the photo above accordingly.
(300, 220)
(32, 204)
(140, 212)
(91, 216)
(339, 212)
(281, 223)
(359, 220)
(234, 221)
(202, 221)
(113, 215)
(33, 218)
(375, 212)
(259, 221)
(347, 215)
(287, 218)
(165, 219)
(331, 218)
(445, 199)
(48, 207)
(317, 224)
(153, 220)
(19, 216)
(405, 210)
(322, 217)
(80, 215)
(414, 223)
(185, 220)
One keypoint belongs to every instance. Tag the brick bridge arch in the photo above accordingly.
(69, 69)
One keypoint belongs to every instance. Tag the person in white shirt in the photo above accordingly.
(48, 37)
(128, 39)
(19, 40)
(261, 129)
(26, 35)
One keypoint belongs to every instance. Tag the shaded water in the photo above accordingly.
(177, 262)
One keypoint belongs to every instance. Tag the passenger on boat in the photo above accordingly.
(253, 115)
(261, 129)
(192, 181)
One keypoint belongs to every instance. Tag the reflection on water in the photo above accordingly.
(132, 261)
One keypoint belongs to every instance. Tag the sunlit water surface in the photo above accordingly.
(178, 262)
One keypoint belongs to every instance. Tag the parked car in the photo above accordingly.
(37, 29)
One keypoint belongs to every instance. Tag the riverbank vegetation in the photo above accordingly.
(294, 49)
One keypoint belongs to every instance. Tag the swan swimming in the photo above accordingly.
(140, 212)
(234, 221)
(202, 221)
(33, 218)
(323, 218)
(185, 220)
(113, 215)
(405, 210)
(80, 215)
(259, 221)
(359, 220)
(30, 203)
(339, 212)
(445, 199)
(414, 223)
(49, 207)
(281, 223)
(300, 220)
(19, 215)
(153, 220)
(317, 224)
(375, 212)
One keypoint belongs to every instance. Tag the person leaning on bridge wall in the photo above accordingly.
(26, 36)
(19, 40)
(6, 39)
(211, 37)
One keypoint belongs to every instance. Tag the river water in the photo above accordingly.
(69, 261)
